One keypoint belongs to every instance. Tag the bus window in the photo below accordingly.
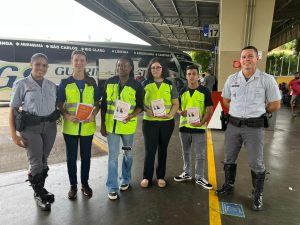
(185, 64)
(172, 66)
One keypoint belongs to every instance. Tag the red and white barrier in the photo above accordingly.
(215, 122)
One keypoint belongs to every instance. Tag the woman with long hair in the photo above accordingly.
(158, 127)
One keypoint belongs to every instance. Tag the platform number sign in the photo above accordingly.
(211, 30)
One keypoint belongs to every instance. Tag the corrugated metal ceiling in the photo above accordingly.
(172, 23)
(178, 23)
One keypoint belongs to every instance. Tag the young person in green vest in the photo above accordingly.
(78, 88)
(157, 128)
(120, 89)
(194, 97)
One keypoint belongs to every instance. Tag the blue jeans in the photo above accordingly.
(85, 154)
(113, 153)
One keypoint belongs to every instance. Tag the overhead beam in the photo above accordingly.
(176, 10)
(183, 40)
(283, 6)
(167, 25)
(285, 35)
(287, 14)
(178, 36)
(205, 1)
(186, 48)
(159, 13)
(143, 15)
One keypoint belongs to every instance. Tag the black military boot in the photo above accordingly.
(50, 197)
(228, 186)
(258, 186)
(39, 196)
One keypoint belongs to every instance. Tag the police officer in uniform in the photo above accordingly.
(122, 88)
(248, 94)
(37, 97)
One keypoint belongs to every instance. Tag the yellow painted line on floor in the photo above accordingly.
(100, 144)
(214, 206)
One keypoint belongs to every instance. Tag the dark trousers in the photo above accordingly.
(157, 135)
(85, 155)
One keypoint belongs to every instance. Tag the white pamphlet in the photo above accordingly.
(121, 110)
(192, 115)
(158, 107)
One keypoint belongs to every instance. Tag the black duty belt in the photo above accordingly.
(35, 120)
(250, 122)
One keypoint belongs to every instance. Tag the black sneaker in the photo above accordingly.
(73, 192)
(183, 177)
(124, 187)
(113, 195)
(86, 190)
(204, 183)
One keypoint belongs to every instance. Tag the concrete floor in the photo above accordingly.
(178, 203)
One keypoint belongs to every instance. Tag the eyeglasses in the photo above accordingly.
(156, 68)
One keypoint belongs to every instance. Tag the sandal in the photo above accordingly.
(144, 183)
(161, 183)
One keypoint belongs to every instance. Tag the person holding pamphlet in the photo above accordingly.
(196, 107)
(84, 111)
(121, 103)
(78, 100)
(160, 105)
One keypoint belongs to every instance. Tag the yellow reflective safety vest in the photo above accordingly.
(128, 94)
(154, 93)
(73, 96)
(188, 101)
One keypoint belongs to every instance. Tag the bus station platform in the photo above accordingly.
(184, 203)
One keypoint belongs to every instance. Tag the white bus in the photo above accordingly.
(102, 56)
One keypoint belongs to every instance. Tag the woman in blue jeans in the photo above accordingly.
(78, 88)
(121, 103)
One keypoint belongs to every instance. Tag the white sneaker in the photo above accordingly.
(124, 187)
(113, 195)
(182, 177)
(204, 183)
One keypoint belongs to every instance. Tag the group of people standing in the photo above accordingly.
(40, 100)
(157, 129)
